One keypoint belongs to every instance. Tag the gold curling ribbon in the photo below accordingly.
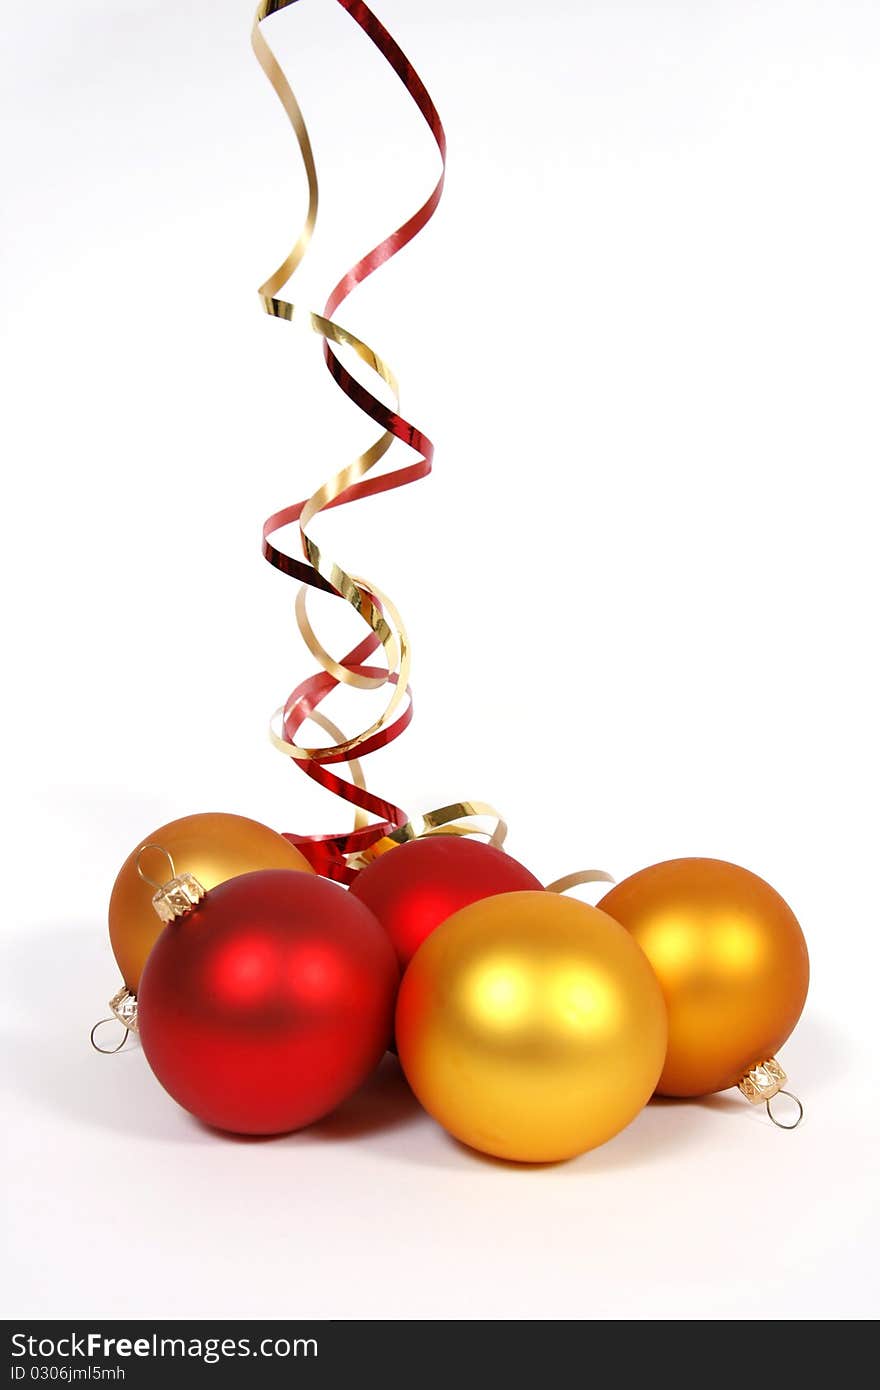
(562, 885)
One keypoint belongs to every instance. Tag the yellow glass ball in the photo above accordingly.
(531, 1026)
(731, 960)
(213, 846)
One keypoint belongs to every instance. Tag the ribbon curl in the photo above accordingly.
(339, 855)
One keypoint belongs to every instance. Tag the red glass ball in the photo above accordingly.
(414, 888)
(271, 1001)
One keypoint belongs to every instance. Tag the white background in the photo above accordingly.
(641, 587)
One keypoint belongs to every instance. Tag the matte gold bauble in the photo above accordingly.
(732, 963)
(531, 1026)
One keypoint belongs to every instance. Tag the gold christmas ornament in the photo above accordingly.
(733, 966)
(531, 1026)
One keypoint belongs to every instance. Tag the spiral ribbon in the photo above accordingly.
(339, 855)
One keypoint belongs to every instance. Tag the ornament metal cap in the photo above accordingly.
(123, 1008)
(178, 895)
(764, 1081)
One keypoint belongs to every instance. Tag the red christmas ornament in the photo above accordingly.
(414, 888)
(268, 1001)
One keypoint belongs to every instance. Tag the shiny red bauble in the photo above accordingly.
(270, 1002)
(414, 888)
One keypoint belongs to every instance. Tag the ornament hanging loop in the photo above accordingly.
(109, 1051)
(160, 849)
(780, 1124)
